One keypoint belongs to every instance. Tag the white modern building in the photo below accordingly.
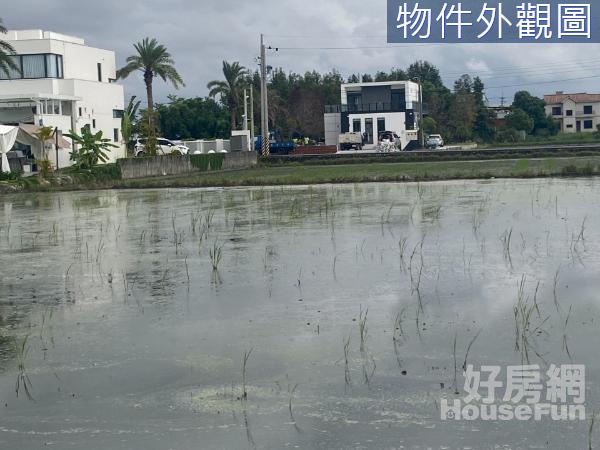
(64, 84)
(370, 108)
(574, 112)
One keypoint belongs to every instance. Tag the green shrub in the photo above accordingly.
(11, 176)
(211, 161)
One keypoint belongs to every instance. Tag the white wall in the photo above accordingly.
(393, 122)
(98, 100)
(332, 128)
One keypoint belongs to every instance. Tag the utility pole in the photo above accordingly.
(421, 114)
(252, 117)
(264, 106)
(245, 109)
(420, 123)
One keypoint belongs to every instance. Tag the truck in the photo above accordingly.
(277, 145)
(349, 141)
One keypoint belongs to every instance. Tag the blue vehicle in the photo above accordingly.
(277, 146)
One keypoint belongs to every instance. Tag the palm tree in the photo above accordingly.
(153, 60)
(128, 121)
(230, 90)
(6, 51)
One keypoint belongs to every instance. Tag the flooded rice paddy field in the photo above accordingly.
(335, 316)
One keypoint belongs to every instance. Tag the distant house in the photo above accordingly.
(371, 108)
(574, 112)
(499, 114)
(61, 83)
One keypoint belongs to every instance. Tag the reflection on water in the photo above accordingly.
(357, 304)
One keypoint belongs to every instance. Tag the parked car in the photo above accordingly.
(163, 147)
(434, 141)
(388, 135)
(390, 139)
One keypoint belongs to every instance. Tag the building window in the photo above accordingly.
(588, 109)
(35, 66)
(117, 113)
(53, 66)
(115, 134)
(569, 112)
(356, 126)
(100, 72)
(66, 108)
(381, 124)
(94, 124)
(80, 112)
(557, 110)
(588, 124)
(570, 125)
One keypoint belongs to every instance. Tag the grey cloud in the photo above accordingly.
(200, 34)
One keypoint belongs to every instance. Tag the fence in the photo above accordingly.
(154, 166)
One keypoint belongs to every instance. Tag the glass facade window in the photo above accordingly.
(35, 66)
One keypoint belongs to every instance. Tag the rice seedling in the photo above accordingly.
(291, 391)
(362, 328)
(556, 277)
(215, 254)
(398, 331)
(368, 367)
(334, 265)
(525, 330)
(464, 366)
(506, 239)
(296, 209)
(455, 382)
(420, 190)
(402, 247)
(581, 235)
(386, 217)
(245, 358)
(591, 429)
(347, 379)
(565, 341)
(195, 221)
(23, 381)
(208, 218)
(477, 220)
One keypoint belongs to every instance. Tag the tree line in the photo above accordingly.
(297, 103)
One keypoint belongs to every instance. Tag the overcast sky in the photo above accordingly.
(200, 34)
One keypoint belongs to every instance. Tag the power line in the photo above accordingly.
(362, 47)
(542, 82)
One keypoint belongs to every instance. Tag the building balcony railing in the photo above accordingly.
(366, 108)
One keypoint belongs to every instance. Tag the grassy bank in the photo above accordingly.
(107, 178)
(356, 173)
